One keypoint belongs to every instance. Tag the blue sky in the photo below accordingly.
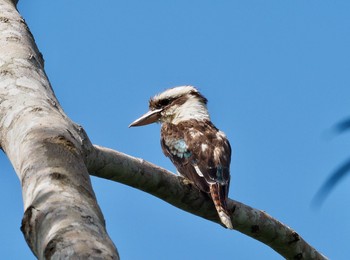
(276, 74)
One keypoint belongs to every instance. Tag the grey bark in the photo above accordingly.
(53, 156)
(62, 218)
(140, 174)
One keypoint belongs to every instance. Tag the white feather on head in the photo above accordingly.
(185, 103)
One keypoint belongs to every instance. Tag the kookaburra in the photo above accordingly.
(200, 151)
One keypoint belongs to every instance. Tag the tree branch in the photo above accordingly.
(138, 173)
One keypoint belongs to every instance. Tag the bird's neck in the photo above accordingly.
(192, 109)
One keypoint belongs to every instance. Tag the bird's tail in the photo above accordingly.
(219, 200)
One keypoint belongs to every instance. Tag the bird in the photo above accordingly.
(200, 152)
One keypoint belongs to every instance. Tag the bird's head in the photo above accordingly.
(175, 105)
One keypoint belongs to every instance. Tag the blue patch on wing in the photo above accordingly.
(219, 174)
(187, 154)
(178, 148)
(180, 145)
(221, 171)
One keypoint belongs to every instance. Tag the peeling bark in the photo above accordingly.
(62, 218)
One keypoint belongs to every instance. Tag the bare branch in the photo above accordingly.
(140, 174)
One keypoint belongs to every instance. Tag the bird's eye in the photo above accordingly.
(164, 102)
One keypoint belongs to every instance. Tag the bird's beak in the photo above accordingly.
(148, 118)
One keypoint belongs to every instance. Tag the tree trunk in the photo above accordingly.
(62, 218)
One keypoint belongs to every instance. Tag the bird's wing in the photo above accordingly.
(200, 152)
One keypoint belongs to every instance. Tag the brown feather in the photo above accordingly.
(205, 159)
